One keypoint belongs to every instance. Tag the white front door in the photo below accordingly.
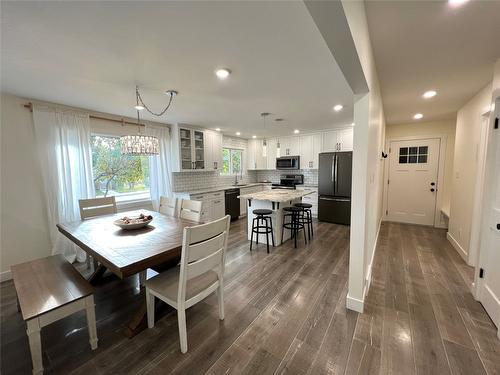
(489, 260)
(413, 173)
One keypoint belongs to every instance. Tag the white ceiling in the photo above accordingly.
(92, 54)
(422, 45)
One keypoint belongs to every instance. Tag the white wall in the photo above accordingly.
(369, 135)
(468, 130)
(425, 129)
(25, 234)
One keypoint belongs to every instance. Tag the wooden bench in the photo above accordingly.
(50, 289)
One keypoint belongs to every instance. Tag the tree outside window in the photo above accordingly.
(231, 161)
(115, 174)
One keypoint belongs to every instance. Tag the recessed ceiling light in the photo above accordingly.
(279, 119)
(238, 133)
(352, 124)
(418, 116)
(296, 131)
(456, 2)
(429, 94)
(139, 107)
(222, 73)
(217, 129)
(254, 136)
(338, 107)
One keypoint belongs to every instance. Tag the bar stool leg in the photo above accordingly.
(257, 231)
(306, 216)
(309, 213)
(295, 229)
(283, 229)
(264, 221)
(251, 234)
(272, 231)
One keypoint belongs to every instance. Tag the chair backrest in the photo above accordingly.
(191, 210)
(203, 249)
(168, 206)
(97, 207)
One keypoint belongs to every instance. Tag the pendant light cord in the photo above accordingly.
(139, 98)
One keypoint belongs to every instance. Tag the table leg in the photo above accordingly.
(97, 275)
(35, 345)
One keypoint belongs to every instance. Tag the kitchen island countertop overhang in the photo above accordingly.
(276, 195)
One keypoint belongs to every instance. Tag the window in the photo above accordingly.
(231, 161)
(413, 155)
(124, 176)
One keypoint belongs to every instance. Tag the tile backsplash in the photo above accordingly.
(189, 181)
(310, 176)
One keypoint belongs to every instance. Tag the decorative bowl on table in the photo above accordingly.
(131, 223)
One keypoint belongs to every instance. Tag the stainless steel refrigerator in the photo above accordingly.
(334, 187)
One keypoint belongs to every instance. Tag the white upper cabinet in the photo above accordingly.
(188, 148)
(290, 146)
(338, 140)
(255, 158)
(251, 162)
(272, 153)
(346, 137)
(213, 150)
(310, 147)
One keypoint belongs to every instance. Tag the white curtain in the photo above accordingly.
(159, 165)
(63, 145)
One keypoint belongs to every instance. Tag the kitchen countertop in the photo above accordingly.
(220, 188)
(276, 195)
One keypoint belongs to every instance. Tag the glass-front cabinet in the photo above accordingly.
(191, 149)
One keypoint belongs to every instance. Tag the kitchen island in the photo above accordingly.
(274, 200)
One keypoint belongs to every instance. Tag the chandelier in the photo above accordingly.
(141, 144)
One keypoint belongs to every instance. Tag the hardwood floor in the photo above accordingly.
(285, 313)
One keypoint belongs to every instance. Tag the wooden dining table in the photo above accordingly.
(128, 252)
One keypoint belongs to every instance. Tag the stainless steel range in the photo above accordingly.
(289, 181)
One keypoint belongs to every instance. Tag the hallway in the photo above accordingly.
(419, 315)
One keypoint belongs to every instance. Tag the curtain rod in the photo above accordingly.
(122, 121)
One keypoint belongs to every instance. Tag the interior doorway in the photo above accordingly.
(412, 181)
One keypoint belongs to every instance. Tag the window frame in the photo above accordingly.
(231, 169)
(133, 200)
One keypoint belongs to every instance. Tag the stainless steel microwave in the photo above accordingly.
(288, 162)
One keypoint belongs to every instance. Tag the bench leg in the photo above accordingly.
(90, 309)
(35, 345)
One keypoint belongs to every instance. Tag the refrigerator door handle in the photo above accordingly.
(335, 199)
(335, 184)
(333, 166)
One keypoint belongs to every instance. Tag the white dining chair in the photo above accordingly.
(191, 210)
(169, 206)
(200, 273)
(94, 207)
(97, 207)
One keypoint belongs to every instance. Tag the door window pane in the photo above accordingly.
(422, 158)
(413, 150)
(422, 150)
(412, 159)
(403, 151)
(403, 159)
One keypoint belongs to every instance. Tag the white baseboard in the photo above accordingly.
(460, 250)
(368, 277)
(5, 275)
(354, 304)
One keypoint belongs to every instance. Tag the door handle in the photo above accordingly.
(433, 190)
(498, 226)
(433, 183)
